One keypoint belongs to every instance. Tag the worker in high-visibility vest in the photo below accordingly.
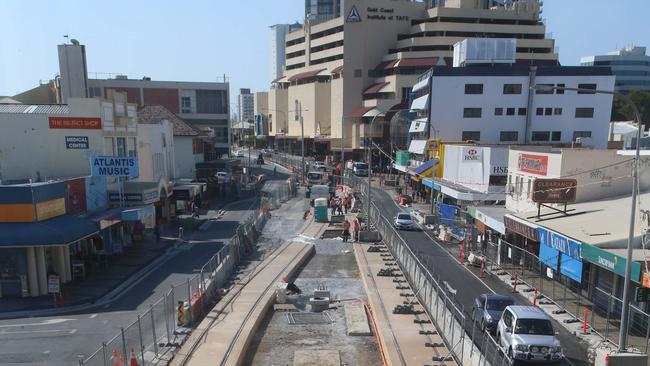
(180, 317)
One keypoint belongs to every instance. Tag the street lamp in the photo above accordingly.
(298, 110)
(625, 314)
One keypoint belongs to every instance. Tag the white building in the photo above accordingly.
(245, 105)
(156, 151)
(73, 71)
(278, 39)
(630, 65)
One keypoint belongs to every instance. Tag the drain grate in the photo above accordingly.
(309, 318)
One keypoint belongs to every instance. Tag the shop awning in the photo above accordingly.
(386, 65)
(428, 182)
(359, 112)
(337, 70)
(420, 103)
(401, 168)
(61, 230)
(374, 88)
(417, 62)
(106, 218)
(278, 80)
(418, 146)
(145, 214)
(418, 125)
(426, 167)
(305, 75)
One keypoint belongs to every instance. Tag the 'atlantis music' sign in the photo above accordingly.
(114, 166)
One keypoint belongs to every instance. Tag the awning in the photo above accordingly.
(421, 85)
(280, 79)
(374, 88)
(401, 168)
(418, 125)
(185, 192)
(359, 112)
(305, 75)
(61, 230)
(428, 182)
(386, 65)
(420, 103)
(106, 218)
(417, 62)
(418, 146)
(145, 214)
(426, 166)
(337, 70)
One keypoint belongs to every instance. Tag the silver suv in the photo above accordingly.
(526, 333)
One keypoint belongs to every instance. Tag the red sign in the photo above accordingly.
(535, 164)
(75, 195)
(80, 123)
(554, 190)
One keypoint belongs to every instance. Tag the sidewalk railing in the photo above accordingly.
(467, 343)
(603, 308)
(165, 322)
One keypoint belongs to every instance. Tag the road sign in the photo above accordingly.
(53, 284)
(642, 294)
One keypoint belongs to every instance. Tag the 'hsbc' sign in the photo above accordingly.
(472, 154)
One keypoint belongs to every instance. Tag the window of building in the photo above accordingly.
(509, 136)
(109, 146)
(582, 134)
(539, 111)
(548, 111)
(584, 112)
(406, 94)
(471, 136)
(522, 111)
(557, 111)
(121, 146)
(511, 88)
(560, 91)
(587, 86)
(94, 92)
(541, 136)
(556, 136)
(498, 111)
(186, 105)
(498, 180)
(473, 88)
(544, 89)
(132, 146)
(212, 101)
(510, 111)
(270, 122)
(472, 113)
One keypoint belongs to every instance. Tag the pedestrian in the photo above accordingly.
(357, 228)
(275, 170)
(346, 231)
(344, 203)
(195, 212)
(348, 203)
(333, 206)
(339, 207)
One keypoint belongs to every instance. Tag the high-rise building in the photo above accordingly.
(73, 71)
(278, 37)
(630, 65)
(317, 11)
(245, 105)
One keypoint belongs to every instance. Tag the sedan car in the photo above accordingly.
(487, 310)
(318, 165)
(238, 153)
(404, 221)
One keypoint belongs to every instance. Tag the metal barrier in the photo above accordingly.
(162, 325)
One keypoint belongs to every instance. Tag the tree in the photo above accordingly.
(621, 110)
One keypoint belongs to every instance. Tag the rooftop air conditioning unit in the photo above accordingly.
(121, 77)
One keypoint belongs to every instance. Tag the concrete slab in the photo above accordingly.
(316, 358)
(356, 320)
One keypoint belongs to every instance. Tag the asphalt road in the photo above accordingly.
(464, 279)
(63, 340)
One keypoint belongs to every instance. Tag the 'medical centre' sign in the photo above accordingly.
(114, 166)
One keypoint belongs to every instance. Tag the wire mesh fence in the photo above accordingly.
(164, 322)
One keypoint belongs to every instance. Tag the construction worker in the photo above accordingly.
(357, 228)
(346, 231)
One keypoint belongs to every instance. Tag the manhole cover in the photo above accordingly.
(309, 318)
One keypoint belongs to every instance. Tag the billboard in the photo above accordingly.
(554, 190)
(534, 164)
(76, 123)
(114, 166)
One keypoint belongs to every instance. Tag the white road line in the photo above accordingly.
(452, 256)
(73, 331)
(46, 352)
(92, 316)
(33, 331)
(46, 322)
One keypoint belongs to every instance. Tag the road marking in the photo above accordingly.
(46, 352)
(46, 322)
(34, 331)
(73, 331)
(92, 316)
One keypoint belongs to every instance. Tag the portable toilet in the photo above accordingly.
(320, 209)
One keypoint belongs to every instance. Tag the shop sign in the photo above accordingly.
(78, 123)
(535, 164)
(76, 142)
(53, 284)
(499, 170)
(76, 195)
(559, 242)
(375, 13)
(472, 154)
(114, 166)
(609, 261)
(134, 197)
(520, 228)
(49, 209)
(554, 190)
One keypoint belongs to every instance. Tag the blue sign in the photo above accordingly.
(548, 256)
(76, 142)
(559, 242)
(571, 268)
(114, 166)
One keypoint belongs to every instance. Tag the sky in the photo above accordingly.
(201, 40)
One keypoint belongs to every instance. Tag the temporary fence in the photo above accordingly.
(603, 308)
(165, 322)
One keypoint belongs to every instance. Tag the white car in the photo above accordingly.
(222, 177)
(318, 165)
(404, 221)
(526, 333)
(238, 153)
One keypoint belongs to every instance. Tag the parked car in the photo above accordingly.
(222, 177)
(315, 178)
(360, 169)
(318, 165)
(487, 310)
(526, 333)
(404, 221)
(238, 153)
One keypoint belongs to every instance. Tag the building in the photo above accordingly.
(278, 38)
(245, 105)
(261, 110)
(630, 65)
(73, 71)
(344, 70)
(317, 11)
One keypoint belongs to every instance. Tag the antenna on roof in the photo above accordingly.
(66, 37)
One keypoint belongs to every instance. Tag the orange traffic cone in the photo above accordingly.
(122, 363)
(116, 360)
(132, 360)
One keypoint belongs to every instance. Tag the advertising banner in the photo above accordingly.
(571, 268)
(554, 190)
(559, 242)
(549, 256)
(534, 164)
(114, 166)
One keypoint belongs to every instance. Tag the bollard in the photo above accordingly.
(461, 255)
(514, 285)
(482, 267)
(535, 298)
(584, 323)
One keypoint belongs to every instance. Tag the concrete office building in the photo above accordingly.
(631, 66)
(245, 108)
(317, 11)
(73, 71)
(346, 70)
(278, 38)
